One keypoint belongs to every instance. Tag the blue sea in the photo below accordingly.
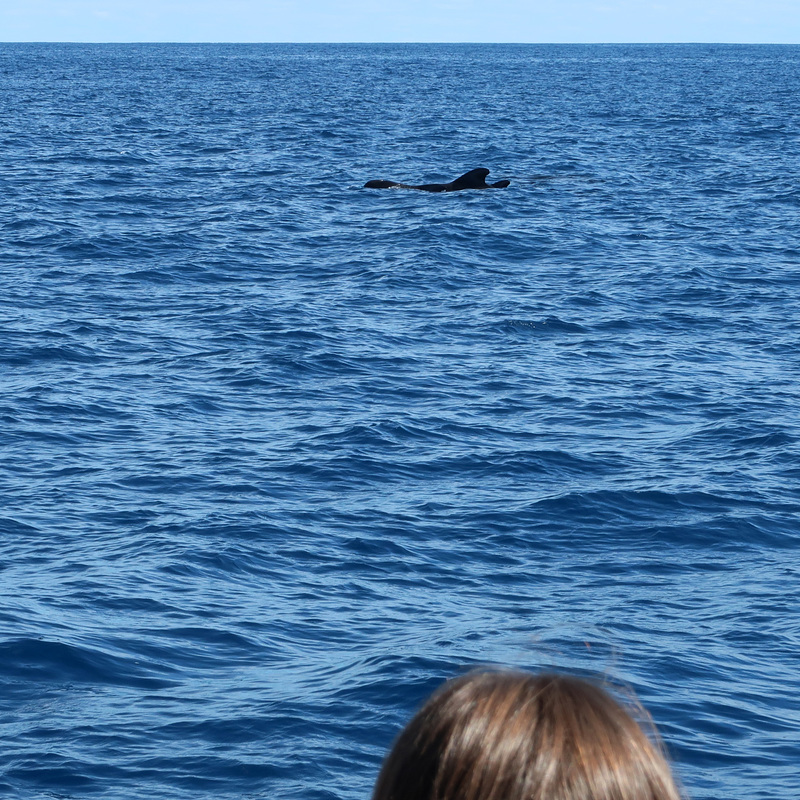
(281, 453)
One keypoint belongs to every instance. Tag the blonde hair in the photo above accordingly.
(506, 735)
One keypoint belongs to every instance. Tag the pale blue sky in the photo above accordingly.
(400, 20)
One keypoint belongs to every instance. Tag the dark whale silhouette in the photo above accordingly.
(474, 179)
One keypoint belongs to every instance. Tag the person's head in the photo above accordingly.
(503, 735)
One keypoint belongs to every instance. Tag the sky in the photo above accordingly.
(745, 21)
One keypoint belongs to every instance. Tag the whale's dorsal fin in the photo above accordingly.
(474, 179)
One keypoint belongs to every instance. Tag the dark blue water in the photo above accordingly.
(280, 453)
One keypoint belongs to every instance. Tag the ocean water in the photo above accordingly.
(280, 453)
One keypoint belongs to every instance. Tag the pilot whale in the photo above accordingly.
(474, 179)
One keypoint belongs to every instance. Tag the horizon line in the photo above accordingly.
(353, 42)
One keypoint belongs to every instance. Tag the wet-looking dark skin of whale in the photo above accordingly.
(474, 179)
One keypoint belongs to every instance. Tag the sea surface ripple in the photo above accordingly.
(281, 453)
